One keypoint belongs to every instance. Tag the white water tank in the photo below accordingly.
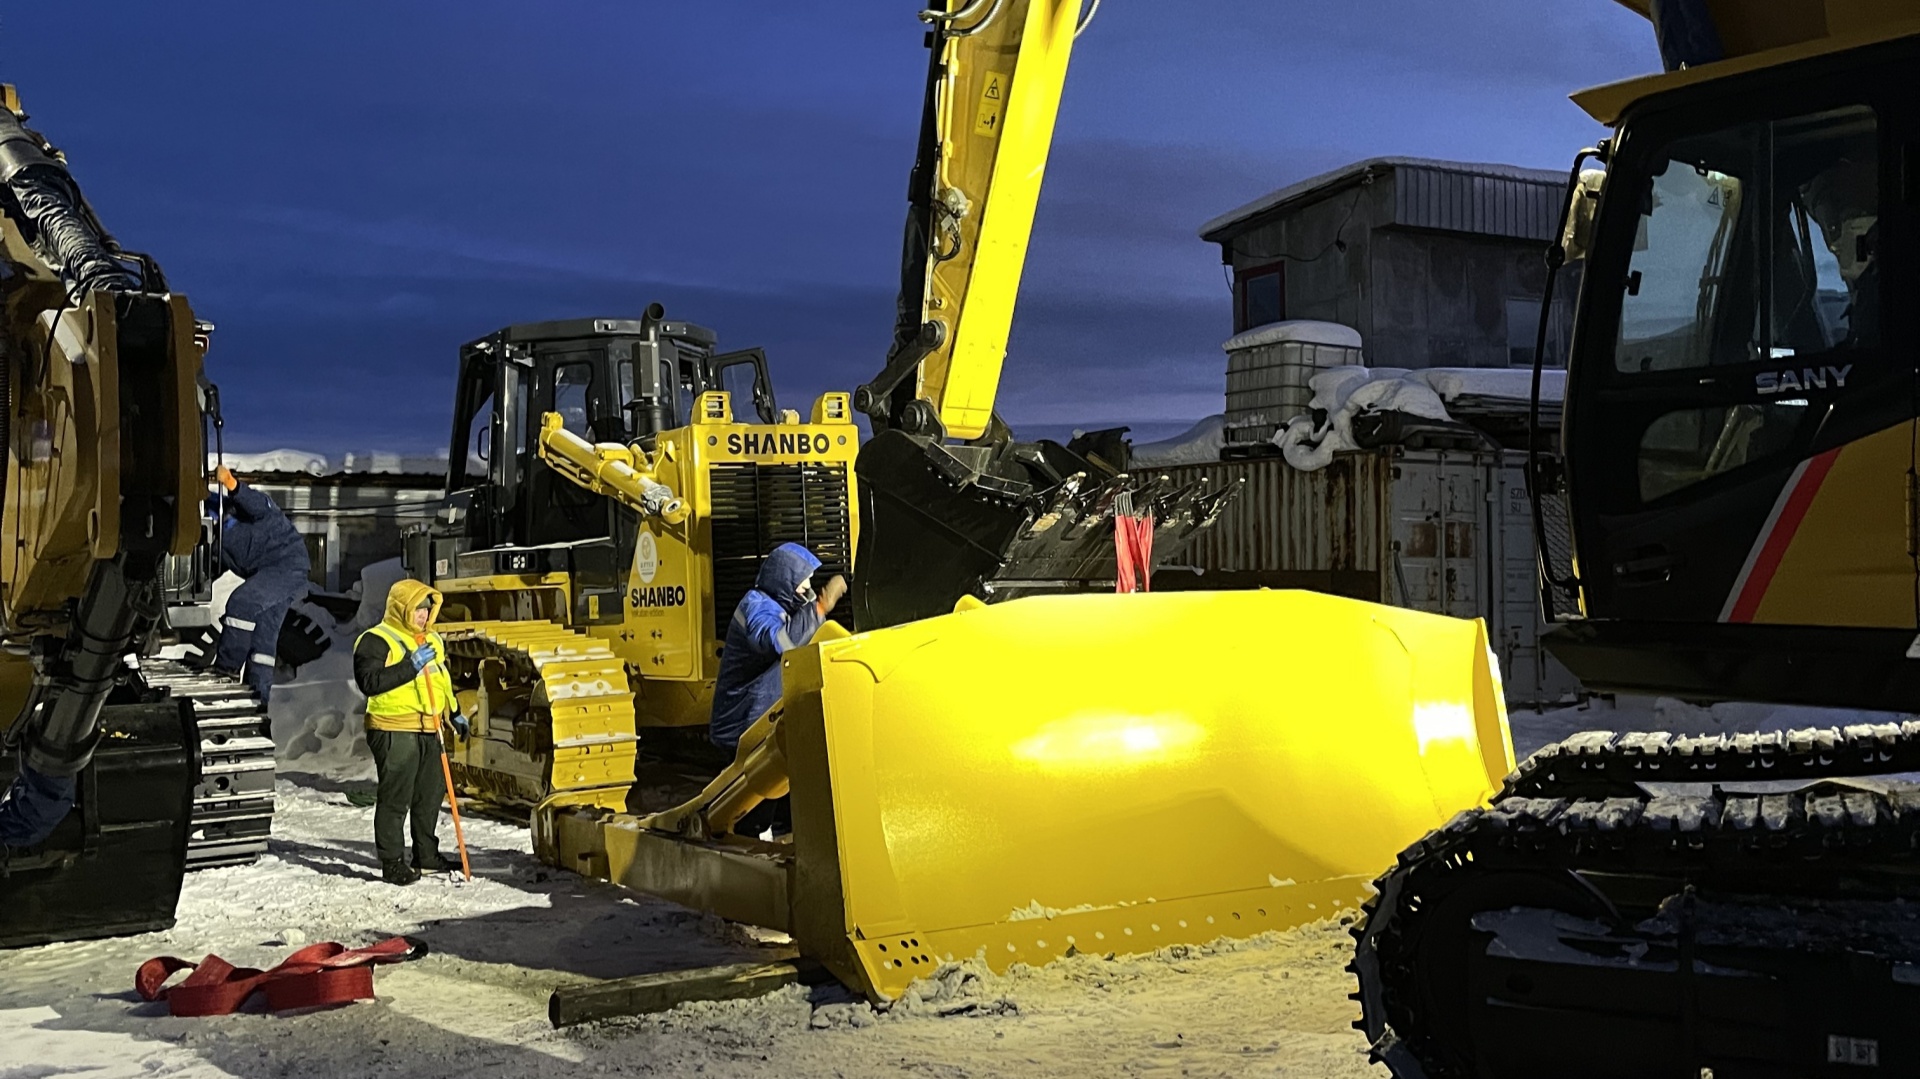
(1268, 372)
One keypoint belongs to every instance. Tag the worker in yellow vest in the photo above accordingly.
(401, 665)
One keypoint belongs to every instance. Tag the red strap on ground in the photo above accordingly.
(316, 975)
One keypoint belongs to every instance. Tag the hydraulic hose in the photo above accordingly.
(61, 227)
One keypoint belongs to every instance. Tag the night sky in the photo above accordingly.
(349, 190)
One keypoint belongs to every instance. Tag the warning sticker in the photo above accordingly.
(993, 105)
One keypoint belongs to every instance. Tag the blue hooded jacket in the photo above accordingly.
(770, 619)
(256, 537)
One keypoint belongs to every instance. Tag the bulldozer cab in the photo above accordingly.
(612, 380)
(1740, 417)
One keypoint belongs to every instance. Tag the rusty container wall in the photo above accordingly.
(1325, 530)
(1448, 532)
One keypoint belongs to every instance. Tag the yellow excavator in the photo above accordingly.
(1002, 756)
(121, 770)
(1739, 484)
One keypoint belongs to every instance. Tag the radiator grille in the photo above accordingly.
(755, 508)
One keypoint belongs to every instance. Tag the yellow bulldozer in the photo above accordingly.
(1002, 755)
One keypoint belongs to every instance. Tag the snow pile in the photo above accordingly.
(1531, 730)
(363, 463)
(1296, 331)
(319, 724)
(1341, 393)
(1198, 444)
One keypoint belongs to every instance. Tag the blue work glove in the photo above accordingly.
(421, 657)
(460, 726)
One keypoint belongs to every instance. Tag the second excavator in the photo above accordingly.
(1739, 489)
(121, 770)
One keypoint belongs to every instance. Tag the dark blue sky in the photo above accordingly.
(349, 190)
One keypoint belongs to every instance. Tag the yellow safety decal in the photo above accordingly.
(993, 104)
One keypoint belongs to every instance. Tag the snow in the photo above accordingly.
(1531, 730)
(500, 944)
(1304, 331)
(365, 462)
(1199, 444)
(1276, 1005)
(1342, 393)
(318, 717)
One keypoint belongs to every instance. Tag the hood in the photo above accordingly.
(402, 598)
(782, 572)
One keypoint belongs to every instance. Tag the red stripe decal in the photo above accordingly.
(1774, 547)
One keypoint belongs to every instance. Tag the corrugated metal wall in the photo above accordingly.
(1289, 528)
(1443, 532)
(1484, 205)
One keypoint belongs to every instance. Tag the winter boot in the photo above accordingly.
(398, 872)
(431, 862)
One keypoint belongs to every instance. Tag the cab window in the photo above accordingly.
(572, 383)
(1756, 244)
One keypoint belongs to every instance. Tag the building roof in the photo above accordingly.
(1454, 196)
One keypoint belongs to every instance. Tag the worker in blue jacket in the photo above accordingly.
(259, 544)
(780, 613)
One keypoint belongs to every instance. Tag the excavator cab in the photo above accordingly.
(1739, 428)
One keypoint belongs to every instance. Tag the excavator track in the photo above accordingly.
(552, 712)
(1574, 833)
(233, 803)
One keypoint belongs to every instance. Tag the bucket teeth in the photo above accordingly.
(941, 522)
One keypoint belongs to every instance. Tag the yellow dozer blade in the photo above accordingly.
(1091, 773)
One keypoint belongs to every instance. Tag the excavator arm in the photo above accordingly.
(993, 89)
(951, 506)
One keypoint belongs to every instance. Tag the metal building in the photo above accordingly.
(350, 519)
(1436, 263)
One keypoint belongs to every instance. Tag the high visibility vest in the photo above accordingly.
(431, 691)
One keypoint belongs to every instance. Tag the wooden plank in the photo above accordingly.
(646, 994)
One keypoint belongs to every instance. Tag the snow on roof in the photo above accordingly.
(1305, 331)
(1317, 185)
(1196, 445)
(364, 463)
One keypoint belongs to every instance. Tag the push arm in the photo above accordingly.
(621, 473)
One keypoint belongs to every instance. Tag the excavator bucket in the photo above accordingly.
(940, 521)
(1091, 773)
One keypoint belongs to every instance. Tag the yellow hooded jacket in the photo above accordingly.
(418, 704)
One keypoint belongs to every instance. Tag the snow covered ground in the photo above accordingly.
(477, 1004)
(1274, 1006)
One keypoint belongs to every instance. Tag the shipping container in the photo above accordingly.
(1442, 531)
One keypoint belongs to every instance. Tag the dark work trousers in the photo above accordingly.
(411, 788)
(250, 630)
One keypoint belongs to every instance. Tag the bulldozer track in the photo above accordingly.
(574, 727)
(1557, 815)
(233, 803)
